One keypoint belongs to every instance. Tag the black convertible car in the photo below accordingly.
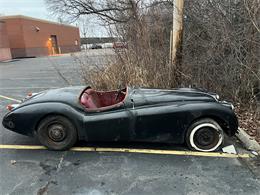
(60, 117)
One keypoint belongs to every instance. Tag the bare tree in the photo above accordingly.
(110, 11)
(221, 48)
(220, 45)
(83, 23)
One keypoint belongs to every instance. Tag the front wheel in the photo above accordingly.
(205, 135)
(57, 133)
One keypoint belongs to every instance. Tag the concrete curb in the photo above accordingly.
(248, 141)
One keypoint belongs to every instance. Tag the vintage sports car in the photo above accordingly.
(60, 117)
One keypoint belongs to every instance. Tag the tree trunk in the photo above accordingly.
(176, 45)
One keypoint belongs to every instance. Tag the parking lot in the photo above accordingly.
(33, 171)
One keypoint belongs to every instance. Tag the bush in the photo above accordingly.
(220, 50)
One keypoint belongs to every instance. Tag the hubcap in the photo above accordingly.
(56, 132)
(206, 138)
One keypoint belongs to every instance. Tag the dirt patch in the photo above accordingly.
(249, 120)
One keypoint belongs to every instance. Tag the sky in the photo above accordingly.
(37, 9)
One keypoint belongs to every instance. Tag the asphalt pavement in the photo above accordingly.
(31, 171)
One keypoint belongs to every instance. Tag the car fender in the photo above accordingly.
(222, 114)
(36, 112)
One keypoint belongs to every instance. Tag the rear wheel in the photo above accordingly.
(205, 135)
(57, 133)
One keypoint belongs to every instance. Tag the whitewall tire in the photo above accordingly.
(205, 135)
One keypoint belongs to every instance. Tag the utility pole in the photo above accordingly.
(176, 41)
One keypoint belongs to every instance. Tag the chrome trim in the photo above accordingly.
(14, 106)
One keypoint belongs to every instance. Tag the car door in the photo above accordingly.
(155, 123)
(109, 125)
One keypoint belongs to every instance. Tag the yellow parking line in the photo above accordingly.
(131, 150)
(22, 147)
(8, 98)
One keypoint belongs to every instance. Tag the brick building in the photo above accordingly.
(31, 37)
(5, 53)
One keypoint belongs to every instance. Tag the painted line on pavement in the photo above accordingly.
(131, 150)
(9, 98)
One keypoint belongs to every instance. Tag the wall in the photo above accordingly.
(5, 53)
(37, 34)
(14, 32)
(29, 37)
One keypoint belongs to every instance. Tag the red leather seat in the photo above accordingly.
(100, 101)
(90, 99)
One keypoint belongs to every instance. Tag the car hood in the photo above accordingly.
(68, 95)
(143, 96)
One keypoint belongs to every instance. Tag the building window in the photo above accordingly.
(76, 42)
